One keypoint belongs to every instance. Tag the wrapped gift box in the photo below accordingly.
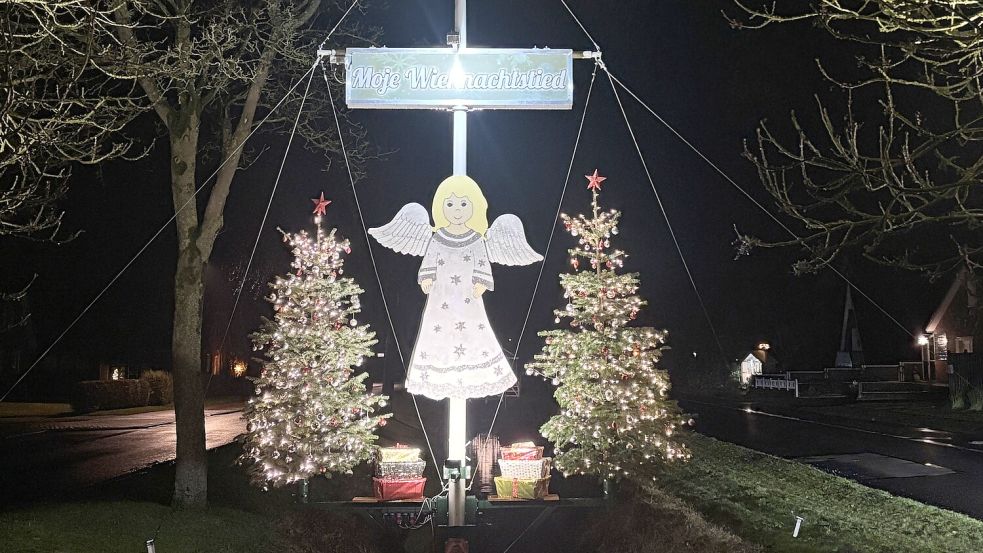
(523, 451)
(521, 468)
(399, 454)
(521, 488)
(400, 470)
(386, 489)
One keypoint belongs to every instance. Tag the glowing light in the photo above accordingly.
(922, 340)
(457, 75)
(239, 368)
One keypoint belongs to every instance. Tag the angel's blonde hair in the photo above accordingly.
(461, 186)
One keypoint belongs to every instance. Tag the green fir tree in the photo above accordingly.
(615, 419)
(312, 414)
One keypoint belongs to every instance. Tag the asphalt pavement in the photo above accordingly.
(44, 457)
(792, 437)
(48, 457)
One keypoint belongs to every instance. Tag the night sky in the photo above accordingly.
(711, 82)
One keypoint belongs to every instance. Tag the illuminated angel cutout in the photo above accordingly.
(456, 353)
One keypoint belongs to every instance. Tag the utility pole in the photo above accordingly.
(457, 412)
(458, 79)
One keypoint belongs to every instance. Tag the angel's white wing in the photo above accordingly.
(506, 242)
(409, 232)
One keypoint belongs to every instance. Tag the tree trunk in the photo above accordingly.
(190, 482)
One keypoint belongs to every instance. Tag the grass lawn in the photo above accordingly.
(755, 496)
(125, 526)
(18, 409)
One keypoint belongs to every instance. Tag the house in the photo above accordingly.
(757, 361)
(953, 327)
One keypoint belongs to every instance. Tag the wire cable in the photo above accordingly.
(245, 274)
(361, 218)
(269, 203)
(549, 242)
(581, 25)
(336, 25)
(152, 238)
(665, 215)
(375, 267)
(733, 183)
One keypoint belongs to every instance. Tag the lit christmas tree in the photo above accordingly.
(615, 419)
(311, 414)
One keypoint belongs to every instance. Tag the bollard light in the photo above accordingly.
(798, 526)
(150, 546)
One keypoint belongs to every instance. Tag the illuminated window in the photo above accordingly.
(749, 367)
(941, 347)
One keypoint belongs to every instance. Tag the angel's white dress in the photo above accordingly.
(457, 354)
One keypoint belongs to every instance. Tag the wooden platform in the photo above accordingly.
(547, 497)
(375, 500)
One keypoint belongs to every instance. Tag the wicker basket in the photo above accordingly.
(522, 469)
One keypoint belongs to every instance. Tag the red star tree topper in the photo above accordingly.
(595, 181)
(320, 204)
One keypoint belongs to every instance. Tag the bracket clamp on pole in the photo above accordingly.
(453, 470)
(334, 56)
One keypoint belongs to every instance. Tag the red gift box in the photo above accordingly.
(391, 490)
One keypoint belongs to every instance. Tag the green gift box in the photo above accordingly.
(521, 488)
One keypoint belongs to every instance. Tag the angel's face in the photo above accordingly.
(457, 209)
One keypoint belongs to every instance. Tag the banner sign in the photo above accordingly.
(491, 78)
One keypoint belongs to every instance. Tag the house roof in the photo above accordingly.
(764, 357)
(950, 295)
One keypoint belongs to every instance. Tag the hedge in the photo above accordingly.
(91, 395)
(161, 387)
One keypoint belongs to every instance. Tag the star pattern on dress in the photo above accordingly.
(467, 258)
(459, 326)
(467, 300)
(440, 262)
(459, 349)
(499, 370)
(484, 354)
(481, 262)
(444, 305)
(436, 328)
(423, 355)
(456, 279)
(481, 326)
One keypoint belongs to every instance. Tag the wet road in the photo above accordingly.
(790, 437)
(42, 457)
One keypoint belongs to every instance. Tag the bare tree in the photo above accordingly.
(894, 170)
(207, 71)
(46, 122)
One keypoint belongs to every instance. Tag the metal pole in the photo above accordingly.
(457, 410)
